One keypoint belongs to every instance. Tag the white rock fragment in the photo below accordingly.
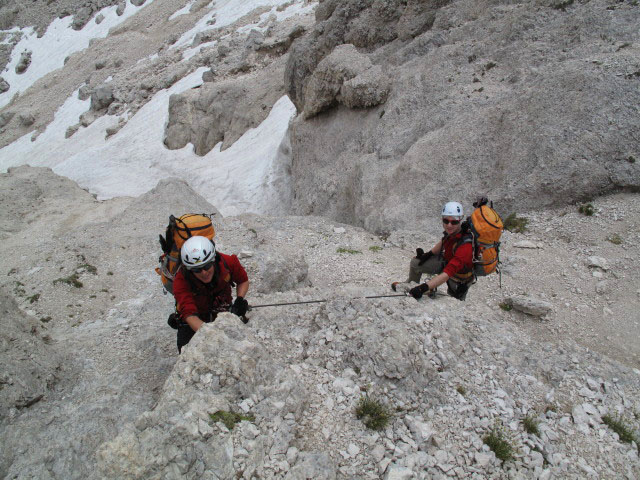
(597, 262)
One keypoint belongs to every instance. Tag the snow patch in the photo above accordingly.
(240, 179)
(58, 42)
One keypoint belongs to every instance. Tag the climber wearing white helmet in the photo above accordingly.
(202, 286)
(450, 260)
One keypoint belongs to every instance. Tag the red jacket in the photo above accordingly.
(196, 298)
(459, 262)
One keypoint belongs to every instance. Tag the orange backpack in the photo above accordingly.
(178, 231)
(486, 227)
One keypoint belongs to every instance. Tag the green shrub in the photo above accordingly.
(230, 418)
(33, 298)
(586, 209)
(375, 248)
(347, 250)
(615, 239)
(72, 280)
(619, 426)
(496, 440)
(507, 307)
(461, 390)
(374, 414)
(530, 425)
(515, 224)
(88, 268)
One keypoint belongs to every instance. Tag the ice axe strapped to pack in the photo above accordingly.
(178, 231)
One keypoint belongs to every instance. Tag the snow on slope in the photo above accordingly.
(239, 179)
(58, 42)
(244, 178)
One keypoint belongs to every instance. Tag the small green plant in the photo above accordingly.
(488, 66)
(563, 5)
(496, 440)
(33, 298)
(230, 418)
(586, 209)
(88, 268)
(461, 390)
(253, 230)
(347, 250)
(19, 289)
(515, 224)
(12, 271)
(530, 425)
(631, 159)
(619, 425)
(375, 248)
(374, 414)
(109, 273)
(507, 307)
(72, 280)
(615, 239)
(45, 319)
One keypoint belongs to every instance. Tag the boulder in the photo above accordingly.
(4, 85)
(345, 76)
(102, 97)
(5, 118)
(279, 271)
(530, 305)
(26, 119)
(24, 62)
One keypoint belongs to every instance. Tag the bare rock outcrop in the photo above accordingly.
(30, 367)
(471, 109)
(223, 111)
(345, 76)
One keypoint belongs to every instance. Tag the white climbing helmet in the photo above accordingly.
(452, 209)
(197, 252)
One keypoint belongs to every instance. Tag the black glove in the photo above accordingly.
(425, 256)
(239, 307)
(419, 252)
(417, 292)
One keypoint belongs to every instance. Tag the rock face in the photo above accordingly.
(29, 366)
(223, 111)
(472, 108)
(345, 76)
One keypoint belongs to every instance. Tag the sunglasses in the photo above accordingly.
(452, 222)
(201, 269)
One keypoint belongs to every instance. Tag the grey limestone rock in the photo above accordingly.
(30, 367)
(102, 97)
(26, 119)
(313, 465)
(81, 18)
(344, 76)
(221, 111)
(279, 272)
(530, 305)
(5, 118)
(137, 3)
(4, 85)
(121, 6)
(24, 62)
(456, 118)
